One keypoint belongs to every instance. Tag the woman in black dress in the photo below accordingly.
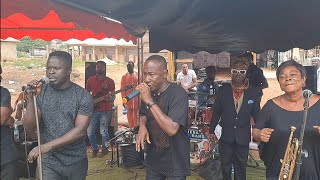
(273, 124)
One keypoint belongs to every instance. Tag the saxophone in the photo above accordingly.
(289, 159)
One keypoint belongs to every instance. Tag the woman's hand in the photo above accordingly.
(265, 134)
(317, 128)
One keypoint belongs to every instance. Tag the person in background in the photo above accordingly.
(234, 105)
(8, 149)
(273, 124)
(316, 62)
(205, 153)
(100, 86)
(255, 74)
(131, 106)
(208, 86)
(64, 113)
(163, 123)
(187, 78)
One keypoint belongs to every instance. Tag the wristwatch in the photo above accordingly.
(149, 104)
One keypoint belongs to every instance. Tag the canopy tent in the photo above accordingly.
(49, 20)
(48, 28)
(215, 25)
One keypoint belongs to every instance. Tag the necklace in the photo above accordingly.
(164, 88)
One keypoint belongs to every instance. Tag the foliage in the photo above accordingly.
(26, 44)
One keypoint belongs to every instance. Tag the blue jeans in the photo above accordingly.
(104, 118)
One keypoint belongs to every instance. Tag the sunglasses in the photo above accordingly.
(235, 71)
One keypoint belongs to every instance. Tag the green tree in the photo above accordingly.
(26, 44)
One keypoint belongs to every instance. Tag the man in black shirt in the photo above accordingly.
(163, 123)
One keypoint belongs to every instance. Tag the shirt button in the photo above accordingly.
(236, 117)
(235, 127)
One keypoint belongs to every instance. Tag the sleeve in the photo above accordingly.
(194, 74)
(86, 104)
(143, 109)
(178, 107)
(263, 117)
(123, 84)
(179, 77)
(201, 97)
(112, 86)
(217, 110)
(5, 98)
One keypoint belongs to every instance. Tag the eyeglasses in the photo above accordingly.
(236, 71)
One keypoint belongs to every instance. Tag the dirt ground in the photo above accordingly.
(14, 77)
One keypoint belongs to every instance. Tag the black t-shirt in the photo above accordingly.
(279, 119)
(169, 155)
(8, 149)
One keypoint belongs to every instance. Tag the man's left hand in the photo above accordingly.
(145, 92)
(34, 153)
(317, 128)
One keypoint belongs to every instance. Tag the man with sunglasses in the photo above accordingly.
(234, 105)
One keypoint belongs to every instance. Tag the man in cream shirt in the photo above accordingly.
(187, 78)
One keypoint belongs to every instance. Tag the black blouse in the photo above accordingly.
(279, 119)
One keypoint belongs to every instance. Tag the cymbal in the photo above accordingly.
(202, 93)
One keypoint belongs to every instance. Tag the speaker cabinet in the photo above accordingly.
(311, 81)
(90, 70)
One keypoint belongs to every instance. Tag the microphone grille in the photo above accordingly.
(44, 80)
(306, 93)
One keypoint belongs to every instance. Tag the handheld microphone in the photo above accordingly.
(130, 96)
(44, 80)
(306, 93)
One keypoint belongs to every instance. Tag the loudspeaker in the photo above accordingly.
(311, 81)
(90, 70)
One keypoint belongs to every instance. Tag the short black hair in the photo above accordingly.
(159, 59)
(291, 63)
(63, 55)
(211, 69)
(102, 62)
(131, 62)
(247, 55)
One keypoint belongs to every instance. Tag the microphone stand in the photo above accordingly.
(38, 136)
(300, 150)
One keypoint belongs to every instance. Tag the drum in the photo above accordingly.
(206, 114)
(192, 113)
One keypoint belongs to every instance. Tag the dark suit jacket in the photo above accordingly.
(235, 126)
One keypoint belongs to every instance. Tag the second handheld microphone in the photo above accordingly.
(130, 96)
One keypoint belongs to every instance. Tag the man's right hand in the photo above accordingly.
(32, 86)
(142, 136)
(265, 134)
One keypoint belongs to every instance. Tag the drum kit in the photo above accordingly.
(199, 117)
(199, 121)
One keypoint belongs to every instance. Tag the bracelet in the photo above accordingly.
(149, 104)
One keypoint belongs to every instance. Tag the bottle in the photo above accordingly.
(16, 133)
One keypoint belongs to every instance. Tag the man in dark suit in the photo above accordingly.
(235, 104)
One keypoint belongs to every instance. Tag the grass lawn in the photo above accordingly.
(98, 169)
